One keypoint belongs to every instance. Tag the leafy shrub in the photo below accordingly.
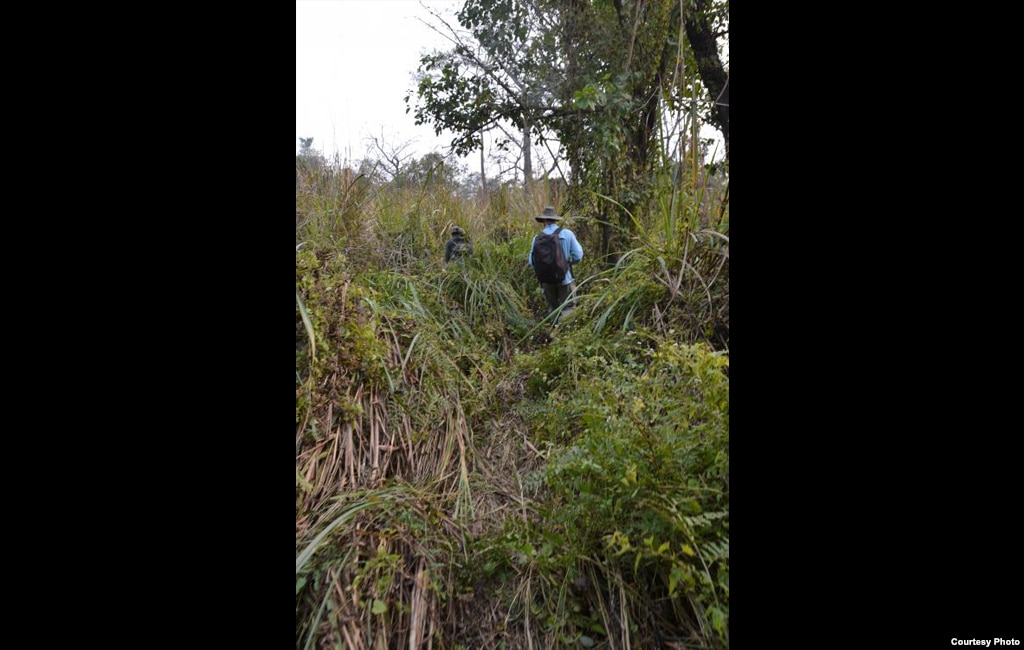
(637, 430)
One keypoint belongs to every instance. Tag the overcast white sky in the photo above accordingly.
(354, 61)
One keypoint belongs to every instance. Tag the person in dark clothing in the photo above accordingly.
(458, 246)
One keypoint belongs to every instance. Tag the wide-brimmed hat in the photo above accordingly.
(548, 215)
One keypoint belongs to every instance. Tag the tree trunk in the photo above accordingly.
(712, 73)
(527, 159)
(483, 173)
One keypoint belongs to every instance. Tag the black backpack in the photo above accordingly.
(456, 249)
(549, 259)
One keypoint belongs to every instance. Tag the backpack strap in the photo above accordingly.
(568, 260)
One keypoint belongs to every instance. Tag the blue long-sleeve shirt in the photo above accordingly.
(570, 246)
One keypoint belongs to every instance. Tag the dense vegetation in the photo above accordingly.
(467, 475)
(609, 88)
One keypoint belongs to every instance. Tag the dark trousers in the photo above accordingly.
(556, 294)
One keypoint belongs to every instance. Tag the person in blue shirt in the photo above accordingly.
(557, 294)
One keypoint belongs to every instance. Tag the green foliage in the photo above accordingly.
(331, 308)
(431, 172)
(488, 288)
(603, 80)
(674, 279)
(391, 533)
(641, 479)
(455, 463)
(499, 74)
(329, 202)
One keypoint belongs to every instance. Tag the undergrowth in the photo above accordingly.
(470, 476)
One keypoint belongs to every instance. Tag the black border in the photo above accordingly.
(873, 465)
(873, 473)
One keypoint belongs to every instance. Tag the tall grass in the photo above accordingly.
(463, 481)
(675, 278)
